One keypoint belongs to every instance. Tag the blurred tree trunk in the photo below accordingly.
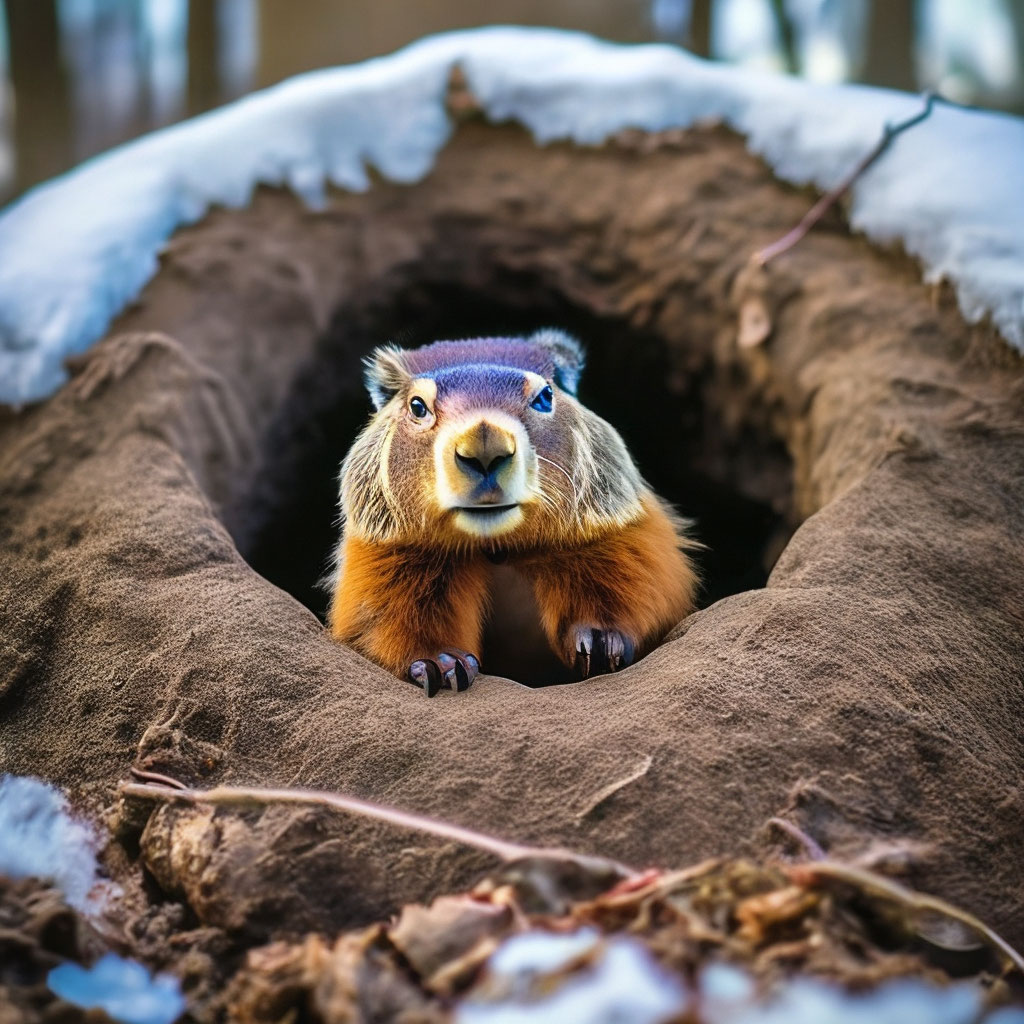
(787, 40)
(700, 28)
(42, 98)
(889, 60)
(203, 80)
(1015, 12)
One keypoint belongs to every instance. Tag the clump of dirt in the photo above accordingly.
(39, 931)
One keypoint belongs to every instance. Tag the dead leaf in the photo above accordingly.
(767, 914)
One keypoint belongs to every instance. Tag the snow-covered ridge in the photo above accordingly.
(75, 251)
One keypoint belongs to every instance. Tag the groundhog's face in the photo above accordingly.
(473, 425)
(483, 439)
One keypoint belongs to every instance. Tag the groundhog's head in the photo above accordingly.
(484, 439)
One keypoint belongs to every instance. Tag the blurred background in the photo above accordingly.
(79, 76)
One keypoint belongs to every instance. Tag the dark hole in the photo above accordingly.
(734, 486)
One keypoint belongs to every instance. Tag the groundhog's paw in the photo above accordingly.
(599, 650)
(450, 668)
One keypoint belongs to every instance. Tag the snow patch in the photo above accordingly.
(75, 251)
(543, 978)
(121, 988)
(727, 995)
(40, 839)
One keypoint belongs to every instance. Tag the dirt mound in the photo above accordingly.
(873, 690)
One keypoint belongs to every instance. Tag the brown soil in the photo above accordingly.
(872, 691)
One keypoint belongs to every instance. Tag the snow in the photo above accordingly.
(812, 1001)
(543, 978)
(542, 952)
(122, 988)
(75, 251)
(40, 839)
(727, 995)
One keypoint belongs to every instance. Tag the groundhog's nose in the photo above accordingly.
(482, 451)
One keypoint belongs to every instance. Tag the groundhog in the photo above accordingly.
(479, 453)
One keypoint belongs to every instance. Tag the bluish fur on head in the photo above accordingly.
(483, 383)
(549, 352)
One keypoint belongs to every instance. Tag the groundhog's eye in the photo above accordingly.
(418, 407)
(542, 403)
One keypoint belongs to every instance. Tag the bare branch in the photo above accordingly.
(811, 846)
(811, 873)
(163, 780)
(242, 796)
(829, 199)
(914, 902)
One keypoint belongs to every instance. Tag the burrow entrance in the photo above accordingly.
(735, 484)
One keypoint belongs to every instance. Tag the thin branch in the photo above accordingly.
(868, 881)
(164, 780)
(242, 796)
(829, 199)
(915, 902)
(811, 846)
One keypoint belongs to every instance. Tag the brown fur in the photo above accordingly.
(398, 602)
(599, 549)
(635, 579)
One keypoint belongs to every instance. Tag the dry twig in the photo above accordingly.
(163, 780)
(811, 846)
(830, 198)
(913, 902)
(172, 791)
(814, 872)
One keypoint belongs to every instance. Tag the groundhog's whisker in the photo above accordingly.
(572, 482)
(548, 499)
(557, 508)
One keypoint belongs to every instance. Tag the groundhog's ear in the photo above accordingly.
(566, 354)
(385, 374)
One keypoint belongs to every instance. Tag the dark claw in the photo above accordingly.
(619, 649)
(464, 671)
(583, 643)
(629, 651)
(427, 675)
(613, 649)
(600, 650)
(452, 668)
(454, 671)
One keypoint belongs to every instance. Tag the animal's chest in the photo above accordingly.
(515, 645)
